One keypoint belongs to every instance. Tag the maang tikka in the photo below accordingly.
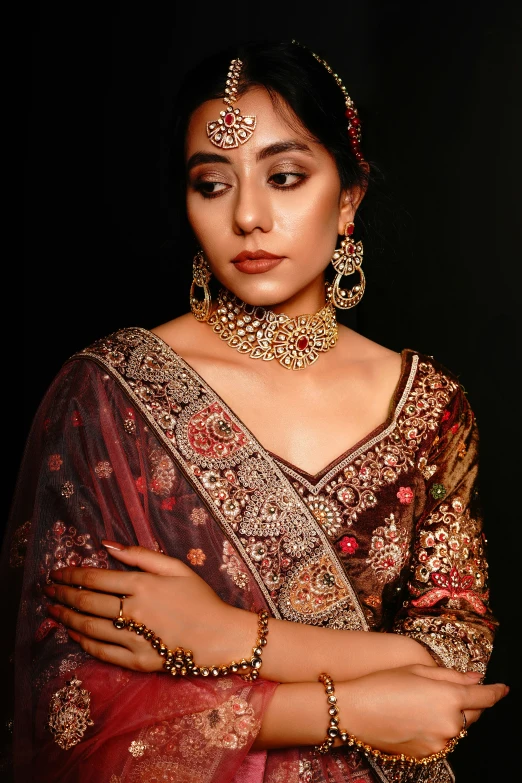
(231, 129)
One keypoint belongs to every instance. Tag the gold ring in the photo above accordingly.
(120, 621)
(464, 729)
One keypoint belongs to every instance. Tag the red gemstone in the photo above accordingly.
(302, 343)
(356, 121)
(349, 113)
(229, 119)
(350, 228)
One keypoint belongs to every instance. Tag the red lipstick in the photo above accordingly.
(255, 262)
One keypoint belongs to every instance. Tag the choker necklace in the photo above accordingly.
(262, 334)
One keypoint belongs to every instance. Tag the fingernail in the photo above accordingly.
(73, 635)
(53, 610)
(56, 574)
(474, 675)
(113, 545)
(49, 590)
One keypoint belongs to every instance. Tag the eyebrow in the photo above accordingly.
(267, 152)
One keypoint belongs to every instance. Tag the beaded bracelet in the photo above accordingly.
(180, 662)
(385, 760)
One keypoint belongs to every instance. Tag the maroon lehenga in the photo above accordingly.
(131, 444)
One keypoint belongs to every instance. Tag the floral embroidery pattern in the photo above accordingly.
(388, 550)
(137, 748)
(234, 566)
(67, 547)
(103, 470)
(348, 545)
(438, 491)
(163, 473)
(229, 726)
(19, 545)
(451, 559)
(405, 495)
(55, 462)
(67, 489)
(198, 516)
(196, 556)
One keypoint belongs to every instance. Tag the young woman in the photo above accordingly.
(248, 540)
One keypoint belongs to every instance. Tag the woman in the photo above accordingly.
(248, 540)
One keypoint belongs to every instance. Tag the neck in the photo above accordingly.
(307, 301)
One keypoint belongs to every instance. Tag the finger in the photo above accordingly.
(111, 653)
(442, 673)
(481, 697)
(101, 579)
(95, 628)
(86, 601)
(147, 559)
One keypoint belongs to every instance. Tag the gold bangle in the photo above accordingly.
(180, 662)
(385, 760)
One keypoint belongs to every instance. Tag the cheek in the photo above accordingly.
(312, 218)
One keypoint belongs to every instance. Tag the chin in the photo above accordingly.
(261, 293)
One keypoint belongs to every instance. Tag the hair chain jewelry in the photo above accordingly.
(390, 762)
(351, 113)
(180, 662)
(261, 334)
(231, 128)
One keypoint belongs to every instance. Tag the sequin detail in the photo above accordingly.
(69, 714)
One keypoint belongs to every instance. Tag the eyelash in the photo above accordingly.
(200, 186)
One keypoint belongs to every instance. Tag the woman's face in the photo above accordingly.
(278, 193)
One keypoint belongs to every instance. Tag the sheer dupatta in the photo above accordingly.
(131, 444)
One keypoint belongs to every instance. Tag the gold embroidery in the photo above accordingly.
(388, 550)
(137, 748)
(69, 714)
(19, 545)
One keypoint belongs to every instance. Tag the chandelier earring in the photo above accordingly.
(347, 260)
(201, 275)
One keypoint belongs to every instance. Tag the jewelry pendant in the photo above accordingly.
(231, 129)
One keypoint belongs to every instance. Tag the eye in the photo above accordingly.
(287, 180)
(210, 189)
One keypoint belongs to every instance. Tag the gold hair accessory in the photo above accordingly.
(391, 763)
(347, 260)
(201, 275)
(261, 334)
(351, 114)
(180, 662)
(69, 714)
(231, 129)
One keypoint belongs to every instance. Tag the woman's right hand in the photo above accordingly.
(415, 709)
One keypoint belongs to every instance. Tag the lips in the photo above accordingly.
(255, 262)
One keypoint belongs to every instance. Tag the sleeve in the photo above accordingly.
(447, 608)
(92, 468)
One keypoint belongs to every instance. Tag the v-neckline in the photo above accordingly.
(396, 402)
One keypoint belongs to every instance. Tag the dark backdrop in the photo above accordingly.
(438, 87)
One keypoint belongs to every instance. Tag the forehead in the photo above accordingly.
(273, 123)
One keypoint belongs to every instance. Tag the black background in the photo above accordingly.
(438, 86)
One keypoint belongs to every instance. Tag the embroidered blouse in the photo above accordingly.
(130, 443)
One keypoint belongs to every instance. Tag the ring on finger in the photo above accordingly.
(120, 622)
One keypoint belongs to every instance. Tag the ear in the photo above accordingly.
(349, 203)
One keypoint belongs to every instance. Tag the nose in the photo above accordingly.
(252, 209)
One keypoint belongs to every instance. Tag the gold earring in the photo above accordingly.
(347, 260)
(201, 275)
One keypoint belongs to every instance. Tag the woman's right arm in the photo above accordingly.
(413, 710)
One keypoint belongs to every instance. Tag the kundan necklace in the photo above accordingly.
(261, 334)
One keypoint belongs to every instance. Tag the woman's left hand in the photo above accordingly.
(165, 595)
